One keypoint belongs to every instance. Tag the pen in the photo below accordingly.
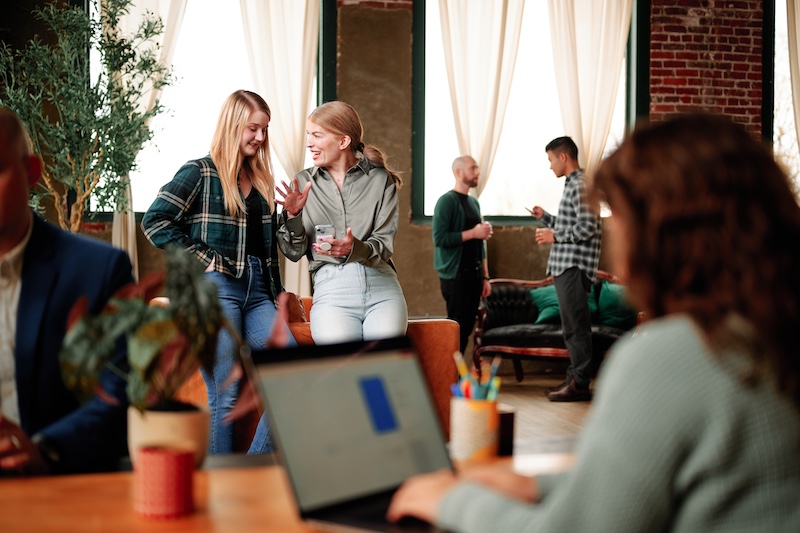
(460, 364)
(494, 389)
(465, 387)
(495, 366)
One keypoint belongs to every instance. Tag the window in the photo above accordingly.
(521, 174)
(784, 133)
(208, 68)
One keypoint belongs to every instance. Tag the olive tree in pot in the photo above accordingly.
(85, 116)
(165, 346)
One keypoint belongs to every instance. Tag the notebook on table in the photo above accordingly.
(350, 422)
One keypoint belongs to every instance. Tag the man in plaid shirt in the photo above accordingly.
(575, 236)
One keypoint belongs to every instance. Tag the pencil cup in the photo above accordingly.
(162, 482)
(473, 429)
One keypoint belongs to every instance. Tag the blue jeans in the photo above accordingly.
(248, 307)
(353, 302)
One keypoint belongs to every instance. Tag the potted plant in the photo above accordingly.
(86, 118)
(166, 344)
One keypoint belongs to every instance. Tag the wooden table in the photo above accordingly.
(237, 499)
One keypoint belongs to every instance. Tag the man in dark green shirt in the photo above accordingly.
(459, 256)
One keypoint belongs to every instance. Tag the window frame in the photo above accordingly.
(637, 94)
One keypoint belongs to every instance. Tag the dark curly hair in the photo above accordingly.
(713, 230)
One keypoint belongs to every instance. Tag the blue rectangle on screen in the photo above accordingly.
(380, 410)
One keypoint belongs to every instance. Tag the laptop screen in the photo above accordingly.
(349, 420)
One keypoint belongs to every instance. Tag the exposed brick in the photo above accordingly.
(659, 72)
(717, 66)
(662, 55)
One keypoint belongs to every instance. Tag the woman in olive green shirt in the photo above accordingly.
(352, 191)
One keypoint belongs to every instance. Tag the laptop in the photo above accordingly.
(350, 422)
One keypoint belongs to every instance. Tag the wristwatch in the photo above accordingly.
(49, 451)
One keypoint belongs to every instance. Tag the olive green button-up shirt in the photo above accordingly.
(367, 204)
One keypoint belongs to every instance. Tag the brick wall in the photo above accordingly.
(706, 54)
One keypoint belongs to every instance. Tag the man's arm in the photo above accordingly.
(587, 223)
(445, 232)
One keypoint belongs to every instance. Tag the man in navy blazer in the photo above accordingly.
(43, 272)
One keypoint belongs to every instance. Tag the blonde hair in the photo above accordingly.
(342, 119)
(225, 153)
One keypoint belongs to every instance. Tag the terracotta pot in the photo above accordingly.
(187, 430)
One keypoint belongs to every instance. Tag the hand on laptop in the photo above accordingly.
(421, 496)
(503, 480)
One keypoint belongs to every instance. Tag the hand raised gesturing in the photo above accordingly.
(293, 199)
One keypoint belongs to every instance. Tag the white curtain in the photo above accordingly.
(589, 38)
(123, 229)
(281, 38)
(480, 42)
(793, 22)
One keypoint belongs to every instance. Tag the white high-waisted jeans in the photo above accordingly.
(353, 302)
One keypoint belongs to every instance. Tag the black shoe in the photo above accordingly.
(570, 393)
(560, 386)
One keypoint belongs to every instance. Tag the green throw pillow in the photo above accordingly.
(592, 303)
(547, 302)
(613, 309)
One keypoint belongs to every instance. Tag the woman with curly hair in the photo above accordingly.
(696, 421)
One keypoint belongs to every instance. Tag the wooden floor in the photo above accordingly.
(541, 426)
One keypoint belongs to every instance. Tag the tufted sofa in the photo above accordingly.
(507, 325)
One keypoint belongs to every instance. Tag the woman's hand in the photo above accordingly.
(503, 480)
(293, 200)
(339, 247)
(421, 496)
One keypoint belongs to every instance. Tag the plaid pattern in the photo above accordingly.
(189, 211)
(577, 231)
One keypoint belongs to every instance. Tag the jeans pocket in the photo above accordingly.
(323, 274)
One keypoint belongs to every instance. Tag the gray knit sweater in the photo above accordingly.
(674, 442)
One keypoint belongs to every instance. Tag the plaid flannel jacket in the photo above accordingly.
(577, 231)
(189, 211)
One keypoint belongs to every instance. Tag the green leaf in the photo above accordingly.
(85, 120)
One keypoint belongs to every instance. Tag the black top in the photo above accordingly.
(255, 244)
